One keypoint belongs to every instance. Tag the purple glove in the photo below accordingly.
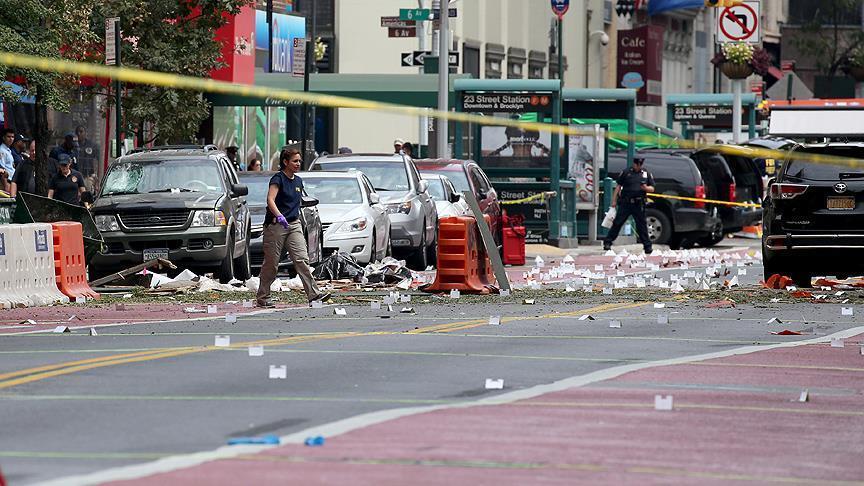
(281, 220)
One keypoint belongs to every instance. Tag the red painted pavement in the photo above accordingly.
(607, 433)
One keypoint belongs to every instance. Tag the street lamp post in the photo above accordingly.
(443, 76)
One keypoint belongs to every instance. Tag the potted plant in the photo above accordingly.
(738, 60)
(856, 63)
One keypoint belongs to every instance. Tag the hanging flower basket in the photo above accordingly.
(734, 70)
(857, 72)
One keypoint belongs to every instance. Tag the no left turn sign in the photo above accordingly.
(739, 23)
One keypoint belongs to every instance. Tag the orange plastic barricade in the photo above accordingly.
(69, 266)
(458, 257)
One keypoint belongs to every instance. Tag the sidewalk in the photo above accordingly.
(606, 433)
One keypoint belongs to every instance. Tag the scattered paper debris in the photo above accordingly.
(407, 310)
(193, 310)
(263, 440)
(538, 262)
(493, 384)
(222, 341)
(805, 396)
(278, 372)
(528, 302)
(663, 403)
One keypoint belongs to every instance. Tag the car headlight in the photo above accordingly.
(208, 217)
(106, 222)
(404, 208)
(358, 224)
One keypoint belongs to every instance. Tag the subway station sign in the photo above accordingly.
(707, 115)
(506, 103)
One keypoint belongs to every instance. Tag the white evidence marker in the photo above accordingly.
(454, 293)
(93, 331)
(212, 309)
(495, 320)
(607, 290)
(278, 372)
(615, 324)
(256, 350)
(389, 300)
(407, 310)
(742, 271)
(405, 298)
(847, 311)
(340, 311)
(663, 403)
(659, 305)
(222, 341)
(317, 304)
(61, 329)
(663, 319)
(837, 343)
(586, 317)
(80, 299)
(492, 384)
(231, 318)
(598, 268)
(805, 396)
(375, 305)
(569, 289)
(774, 320)
(248, 304)
(528, 302)
(504, 293)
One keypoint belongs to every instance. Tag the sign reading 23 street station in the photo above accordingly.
(506, 103)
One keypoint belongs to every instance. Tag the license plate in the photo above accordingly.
(841, 203)
(154, 253)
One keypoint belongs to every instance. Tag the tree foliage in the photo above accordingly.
(168, 36)
(829, 36)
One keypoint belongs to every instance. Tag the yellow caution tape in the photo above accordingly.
(706, 201)
(176, 81)
(542, 196)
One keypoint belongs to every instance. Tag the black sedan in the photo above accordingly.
(258, 183)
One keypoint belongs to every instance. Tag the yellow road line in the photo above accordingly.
(39, 369)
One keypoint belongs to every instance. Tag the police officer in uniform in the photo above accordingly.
(633, 186)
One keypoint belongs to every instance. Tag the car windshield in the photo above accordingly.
(334, 190)
(805, 170)
(385, 176)
(141, 177)
(258, 187)
(457, 177)
(436, 189)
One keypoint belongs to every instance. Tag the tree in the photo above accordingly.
(42, 28)
(168, 36)
(831, 31)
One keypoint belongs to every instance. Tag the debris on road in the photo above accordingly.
(263, 440)
(663, 403)
(494, 384)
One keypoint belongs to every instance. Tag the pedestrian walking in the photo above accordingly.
(282, 229)
(67, 184)
(634, 184)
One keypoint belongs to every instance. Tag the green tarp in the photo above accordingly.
(647, 134)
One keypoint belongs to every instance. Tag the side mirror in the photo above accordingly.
(454, 198)
(308, 202)
(239, 190)
(374, 198)
(423, 187)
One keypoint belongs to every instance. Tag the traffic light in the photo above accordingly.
(723, 3)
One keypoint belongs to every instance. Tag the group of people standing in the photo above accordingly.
(68, 163)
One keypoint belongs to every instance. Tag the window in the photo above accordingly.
(471, 60)
(494, 61)
(515, 63)
(536, 64)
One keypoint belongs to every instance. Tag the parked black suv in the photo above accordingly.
(814, 216)
(733, 178)
(183, 203)
(670, 221)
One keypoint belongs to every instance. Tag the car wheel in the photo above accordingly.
(242, 267)
(659, 226)
(717, 235)
(420, 259)
(373, 252)
(226, 271)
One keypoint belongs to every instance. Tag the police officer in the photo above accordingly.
(282, 228)
(633, 186)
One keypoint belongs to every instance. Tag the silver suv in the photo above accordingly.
(413, 217)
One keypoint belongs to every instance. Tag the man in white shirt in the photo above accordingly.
(7, 162)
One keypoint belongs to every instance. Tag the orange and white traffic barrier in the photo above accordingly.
(27, 266)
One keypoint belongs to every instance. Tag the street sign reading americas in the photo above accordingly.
(506, 103)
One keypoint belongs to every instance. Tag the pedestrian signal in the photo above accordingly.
(723, 3)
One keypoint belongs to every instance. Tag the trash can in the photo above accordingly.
(514, 240)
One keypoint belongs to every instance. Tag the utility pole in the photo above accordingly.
(307, 129)
(423, 131)
(443, 75)
(117, 95)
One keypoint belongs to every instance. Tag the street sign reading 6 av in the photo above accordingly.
(560, 7)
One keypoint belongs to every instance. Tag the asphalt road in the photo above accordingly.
(140, 392)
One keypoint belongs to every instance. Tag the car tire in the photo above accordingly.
(226, 270)
(717, 235)
(373, 257)
(659, 226)
(242, 266)
(420, 260)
